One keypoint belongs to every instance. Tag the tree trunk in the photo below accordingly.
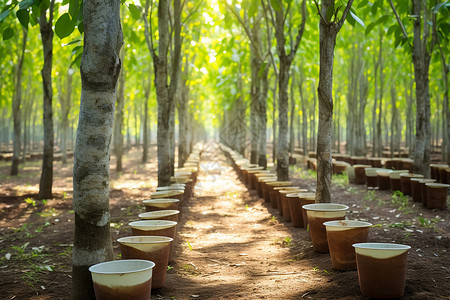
(65, 100)
(255, 99)
(325, 93)
(421, 60)
(183, 117)
(146, 121)
(328, 33)
(292, 118)
(313, 127)
(16, 108)
(446, 109)
(379, 141)
(274, 121)
(45, 186)
(118, 119)
(304, 118)
(100, 69)
(262, 149)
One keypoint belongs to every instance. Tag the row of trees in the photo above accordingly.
(179, 37)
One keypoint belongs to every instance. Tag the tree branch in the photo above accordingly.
(405, 35)
(344, 15)
(320, 13)
(300, 32)
(149, 31)
(193, 12)
(269, 38)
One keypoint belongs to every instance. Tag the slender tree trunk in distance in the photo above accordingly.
(283, 82)
(292, 118)
(328, 33)
(45, 186)
(446, 108)
(262, 149)
(313, 127)
(304, 117)
(255, 100)
(65, 100)
(118, 119)
(274, 122)
(100, 69)
(379, 143)
(146, 129)
(421, 60)
(16, 108)
(183, 136)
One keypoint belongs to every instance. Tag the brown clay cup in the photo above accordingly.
(341, 235)
(161, 204)
(152, 248)
(155, 228)
(437, 195)
(169, 215)
(319, 213)
(381, 269)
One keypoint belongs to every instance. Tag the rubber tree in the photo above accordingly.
(100, 69)
(165, 91)
(278, 18)
(329, 28)
(17, 98)
(252, 22)
(422, 48)
(46, 28)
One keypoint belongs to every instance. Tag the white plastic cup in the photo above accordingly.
(381, 269)
(122, 279)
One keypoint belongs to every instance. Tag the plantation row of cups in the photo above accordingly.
(427, 191)
(381, 266)
(147, 252)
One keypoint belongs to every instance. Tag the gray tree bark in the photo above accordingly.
(118, 119)
(46, 182)
(379, 140)
(446, 108)
(146, 141)
(17, 98)
(283, 82)
(65, 101)
(328, 33)
(100, 69)
(304, 117)
(183, 135)
(421, 59)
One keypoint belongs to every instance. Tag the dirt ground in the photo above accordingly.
(230, 245)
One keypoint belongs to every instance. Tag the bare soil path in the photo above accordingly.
(230, 245)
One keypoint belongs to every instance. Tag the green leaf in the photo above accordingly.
(370, 27)
(392, 29)
(24, 17)
(437, 7)
(275, 5)
(75, 41)
(135, 11)
(80, 28)
(382, 19)
(26, 4)
(76, 61)
(253, 9)
(350, 20)
(330, 13)
(64, 26)
(360, 22)
(8, 33)
(74, 8)
(362, 4)
(4, 14)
